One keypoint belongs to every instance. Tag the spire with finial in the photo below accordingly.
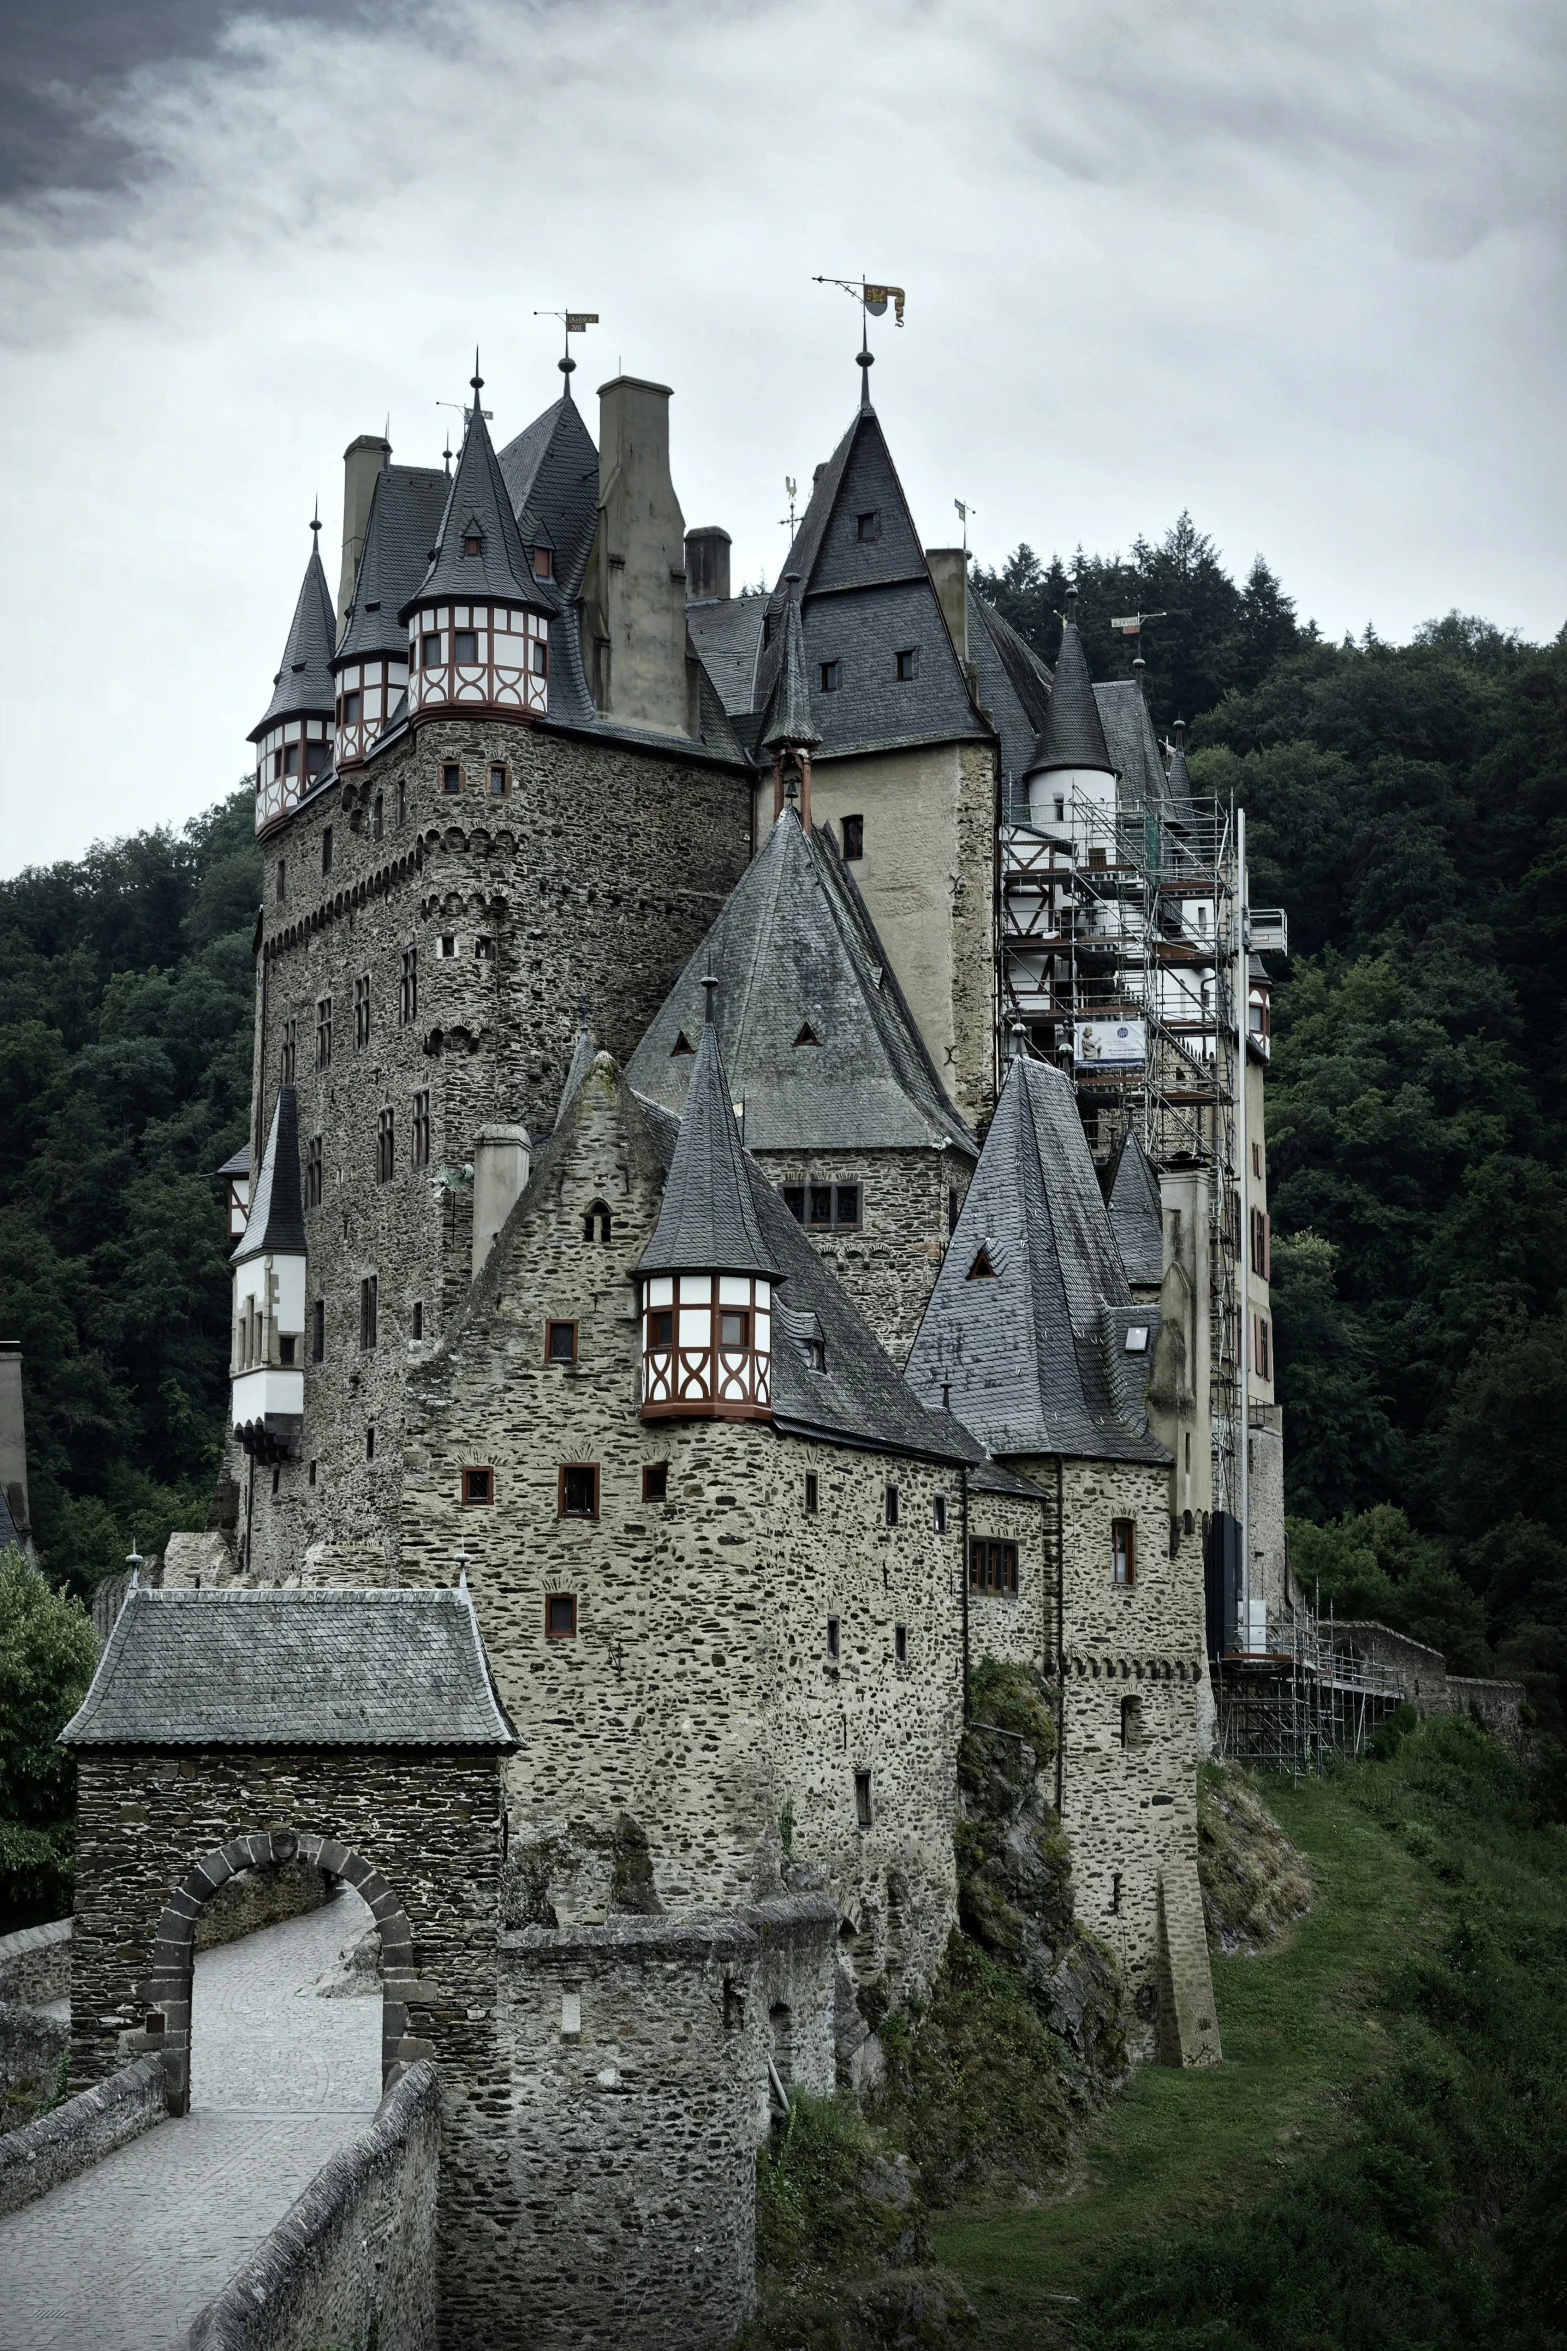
(293, 737)
(1072, 737)
(789, 730)
(865, 357)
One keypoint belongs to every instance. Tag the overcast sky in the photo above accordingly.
(1294, 265)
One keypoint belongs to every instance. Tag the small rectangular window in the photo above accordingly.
(378, 817)
(900, 1644)
(734, 1328)
(484, 949)
(367, 1312)
(420, 1126)
(473, 543)
(892, 1506)
(846, 1204)
(318, 758)
(282, 880)
(318, 1331)
(938, 1513)
(954, 1207)
(908, 665)
(1256, 1159)
(448, 946)
(408, 991)
(326, 849)
(818, 1207)
(661, 1327)
(478, 1485)
(416, 1320)
(312, 1473)
(544, 563)
(285, 1349)
(402, 803)
(560, 1624)
(655, 1481)
(362, 1011)
(579, 1490)
(1264, 1348)
(560, 1342)
(862, 1799)
(1115, 1893)
(794, 1201)
(832, 676)
(451, 780)
(465, 645)
(287, 1057)
(324, 1033)
(832, 1637)
(1123, 1551)
(291, 759)
(430, 648)
(370, 1442)
(498, 783)
(853, 837)
(867, 527)
(314, 1172)
(385, 1146)
(812, 1490)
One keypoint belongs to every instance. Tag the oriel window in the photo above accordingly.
(430, 649)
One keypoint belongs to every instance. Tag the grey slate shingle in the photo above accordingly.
(1137, 1215)
(277, 1218)
(303, 687)
(1072, 735)
(787, 718)
(241, 1668)
(707, 1222)
(405, 516)
(551, 471)
(727, 633)
(794, 947)
(479, 500)
(1025, 1348)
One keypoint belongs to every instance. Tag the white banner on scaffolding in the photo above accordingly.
(1110, 1044)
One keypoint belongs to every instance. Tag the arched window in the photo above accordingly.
(596, 1222)
(1131, 1722)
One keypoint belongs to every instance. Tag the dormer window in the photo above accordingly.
(982, 1270)
(472, 543)
(867, 527)
(544, 563)
(682, 1043)
(832, 676)
(908, 665)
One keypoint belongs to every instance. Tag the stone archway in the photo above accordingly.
(168, 1992)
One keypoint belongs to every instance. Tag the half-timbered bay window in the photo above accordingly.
(707, 1346)
(480, 657)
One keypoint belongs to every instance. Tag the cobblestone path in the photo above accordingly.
(123, 2258)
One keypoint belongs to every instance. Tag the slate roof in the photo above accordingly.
(1031, 1350)
(794, 948)
(787, 718)
(1013, 691)
(1133, 746)
(238, 1164)
(727, 633)
(303, 686)
(864, 601)
(479, 501)
(405, 515)
(238, 1668)
(1178, 783)
(1137, 1215)
(707, 1222)
(551, 471)
(276, 1220)
(1072, 735)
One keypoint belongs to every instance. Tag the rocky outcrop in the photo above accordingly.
(1254, 1882)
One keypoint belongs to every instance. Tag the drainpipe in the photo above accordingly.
(1060, 1634)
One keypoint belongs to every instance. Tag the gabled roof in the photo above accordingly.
(237, 1163)
(334, 1668)
(303, 686)
(794, 947)
(479, 503)
(405, 515)
(1072, 735)
(727, 633)
(864, 601)
(551, 472)
(787, 718)
(1029, 1346)
(1137, 1215)
(708, 1220)
(1013, 689)
(276, 1220)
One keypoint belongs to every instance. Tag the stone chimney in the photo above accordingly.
(707, 563)
(500, 1175)
(362, 461)
(949, 571)
(636, 585)
(13, 1436)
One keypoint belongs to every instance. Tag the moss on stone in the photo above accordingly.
(1254, 1882)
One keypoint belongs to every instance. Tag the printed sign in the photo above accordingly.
(1109, 1044)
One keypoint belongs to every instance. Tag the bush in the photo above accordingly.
(47, 1654)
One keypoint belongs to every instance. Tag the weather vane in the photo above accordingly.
(965, 511)
(576, 322)
(873, 299)
(787, 522)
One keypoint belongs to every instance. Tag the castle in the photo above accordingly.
(756, 1204)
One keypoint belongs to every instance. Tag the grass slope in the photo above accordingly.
(1362, 2167)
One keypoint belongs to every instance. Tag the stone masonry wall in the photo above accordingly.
(35, 1964)
(429, 1822)
(354, 2260)
(71, 2138)
(889, 1266)
(635, 2063)
(594, 878)
(698, 1695)
(1015, 1628)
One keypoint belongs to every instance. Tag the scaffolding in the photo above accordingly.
(1309, 1697)
(1123, 961)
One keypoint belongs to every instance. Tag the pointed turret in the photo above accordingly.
(789, 731)
(1137, 1218)
(293, 738)
(371, 663)
(707, 1274)
(1071, 760)
(478, 622)
(267, 1366)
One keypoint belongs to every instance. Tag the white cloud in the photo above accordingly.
(1291, 268)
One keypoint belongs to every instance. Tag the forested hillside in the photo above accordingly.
(1408, 806)
(125, 1014)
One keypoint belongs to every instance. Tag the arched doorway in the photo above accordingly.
(169, 1987)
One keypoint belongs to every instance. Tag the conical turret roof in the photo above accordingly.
(1137, 1216)
(1072, 735)
(405, 516)
(303, 686)
(478, 506)
(708, 1222)
(787, 718)
(276, 1220)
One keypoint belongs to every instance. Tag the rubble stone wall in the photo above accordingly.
(889, 1265)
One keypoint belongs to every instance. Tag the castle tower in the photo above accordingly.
(478, 623)
(294, 738)
(268, 1326)
(707, 1275)
(371, 663)
(1071, 769)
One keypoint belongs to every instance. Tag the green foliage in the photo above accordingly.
(125, 1017)
(1376, 1566)
(1254, 1882)
(47, 1654)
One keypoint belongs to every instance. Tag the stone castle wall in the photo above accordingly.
(594, 878)
(1016, 1628)
(889, 1266)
